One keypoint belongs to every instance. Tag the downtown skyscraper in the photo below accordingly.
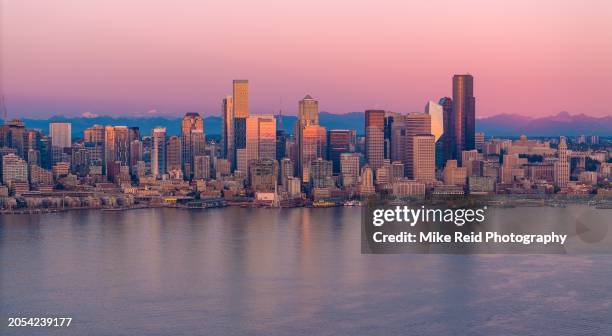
(227, 128)
(464, 114)
(375, 137)
(60, 133)
(339, 141)
(260, 138)
(158, 155)
(562, 165)
(240, 108)
(405, 127)
(192, 130)
(311, 137)
(436, 111)
(448, 137)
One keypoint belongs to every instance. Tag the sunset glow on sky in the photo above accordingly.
(113, 57)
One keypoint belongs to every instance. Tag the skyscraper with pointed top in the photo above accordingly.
(191, 122)
(561, 167)
(310, 136)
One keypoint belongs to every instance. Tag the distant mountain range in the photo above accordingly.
(562, 123)
(499, 125)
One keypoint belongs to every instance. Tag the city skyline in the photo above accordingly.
(417, 155)
(171, 60)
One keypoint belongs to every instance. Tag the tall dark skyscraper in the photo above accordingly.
(281, 144)
(338, 142)
(464, 112)
(389, 116)
(448, 138)
(227, 128)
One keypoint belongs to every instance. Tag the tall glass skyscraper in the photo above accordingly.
(464, 114)
(375, 137)
(240, 113)
(192, 121)
(308, 116)
(158, 156)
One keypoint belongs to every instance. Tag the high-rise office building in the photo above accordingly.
(241, 160)
(292, 151)
(192, 121)
(286, 171)
(14, 169)
(321, 174)
(562, 167)
(198, 142)
(60, 141)
(31, 146)
(404, 128)
(313, 146)
(227, 128)
(281, 144)
(14, 134)
(122, 144)
(464, 113)
(375, 137)
(479, 140)
(174, 152)
(389, 117)
(133, 133)
(136, 151)
(158, 155)
(308, 115)
(61, 134)
(339, 141)
(240, 114)
(436, 112)
(94, 133)
(201, 167)
(45, 152)
(263, 175)
(448, 137)
(240, 94)
(308, 110)
(116, 143)
(349, 168)
(110, 147)
(260, 137)
(423, 158)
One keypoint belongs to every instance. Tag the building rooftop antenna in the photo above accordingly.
(3, 109)
(280, 114)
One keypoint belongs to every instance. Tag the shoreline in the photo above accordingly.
(597, 204)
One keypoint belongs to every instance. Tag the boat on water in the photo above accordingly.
(603, 206)
(324, 204)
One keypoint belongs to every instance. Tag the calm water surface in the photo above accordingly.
(240, 271)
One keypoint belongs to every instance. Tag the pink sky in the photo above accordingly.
(128, 57)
